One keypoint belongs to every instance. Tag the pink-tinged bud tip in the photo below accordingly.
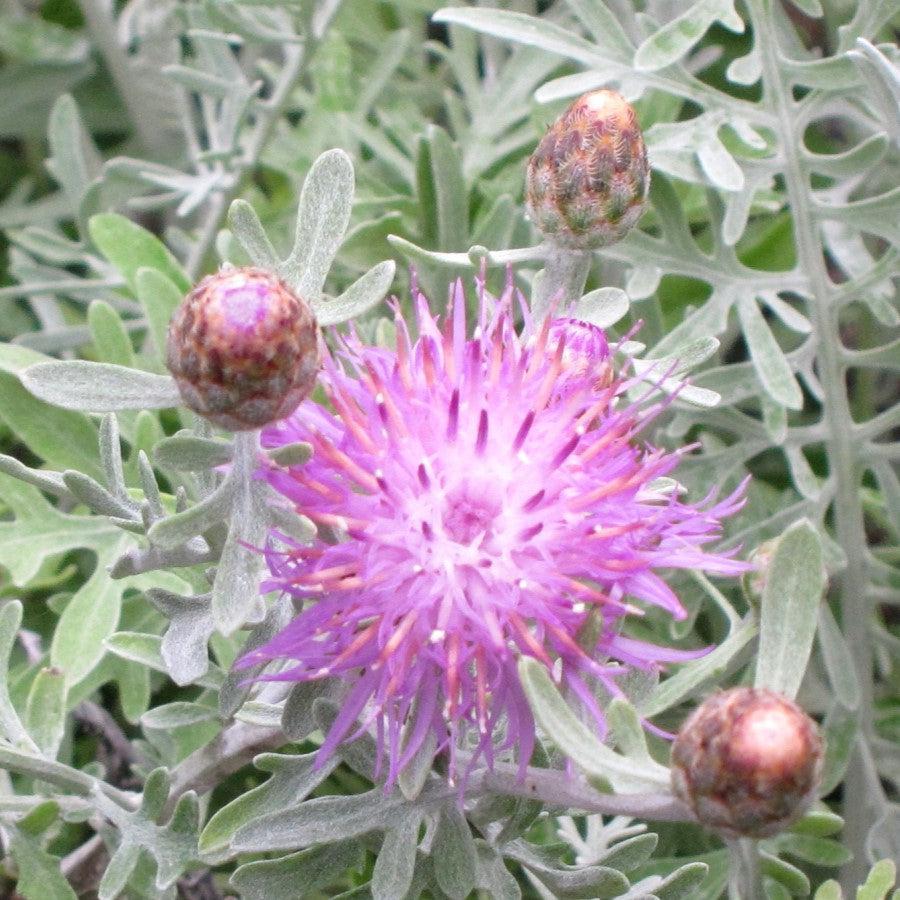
(748, 762)
(243, 349)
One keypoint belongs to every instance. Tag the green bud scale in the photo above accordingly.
(748, 762)
(588, 178)
(243, 349)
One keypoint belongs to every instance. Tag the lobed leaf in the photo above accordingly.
(360, 297)
(315, 868)
(574, 738)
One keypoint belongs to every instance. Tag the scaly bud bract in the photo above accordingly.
(243, 349)
(588, 178)
(748, 762)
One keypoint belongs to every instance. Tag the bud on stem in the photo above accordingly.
(243, 349)
(748, 762)
(588, 178)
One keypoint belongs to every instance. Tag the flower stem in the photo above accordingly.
(745, 876)
(561, 281)
(559, 789)
(246, 456)
(235, 591)
(842, 442)
(64, 777)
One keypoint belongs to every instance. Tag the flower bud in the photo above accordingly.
(754, 581)
(585, 353)
(748, 762)
(243, 349)
(588, 179)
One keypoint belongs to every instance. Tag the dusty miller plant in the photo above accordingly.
(327, 142)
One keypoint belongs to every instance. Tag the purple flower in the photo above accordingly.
(493, 501)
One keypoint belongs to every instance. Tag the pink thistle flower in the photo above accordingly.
(493, 496)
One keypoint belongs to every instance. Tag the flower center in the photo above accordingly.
(467, 516)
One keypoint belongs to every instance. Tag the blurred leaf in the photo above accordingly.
(879, 881)
(129, 248)
(39, 873)
(146, 650)
(173, 846)
(74, 160)
(566, 881)
(772, 368)
(790, 876)
(812, 8)
(183, 646)
(630, 853)
(159, 296)
(395, 866)
(441, 165)
(323, 819)
(45, 710)
(89, 618)
(251, 235)
(839, 729)
(39, 530)
(794, 584)
(238, 683)
(883, 80)
(360, 297)
(819, 822)
(493, 876)
(531, 31)
(235, 597)
(883, 839)
(176, 715)
(627, 732)
(683, 883)
(175, 530)
(35, 40)
(815, 850)
(11, 728)
(189, 452)
(110, 336)
(602, 307)
(692, 675)
(838, 660)
(63, 439)
(675, 38)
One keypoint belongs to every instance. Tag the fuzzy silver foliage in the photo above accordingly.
(181, 136)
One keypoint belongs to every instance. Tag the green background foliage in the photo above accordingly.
(145, 143)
